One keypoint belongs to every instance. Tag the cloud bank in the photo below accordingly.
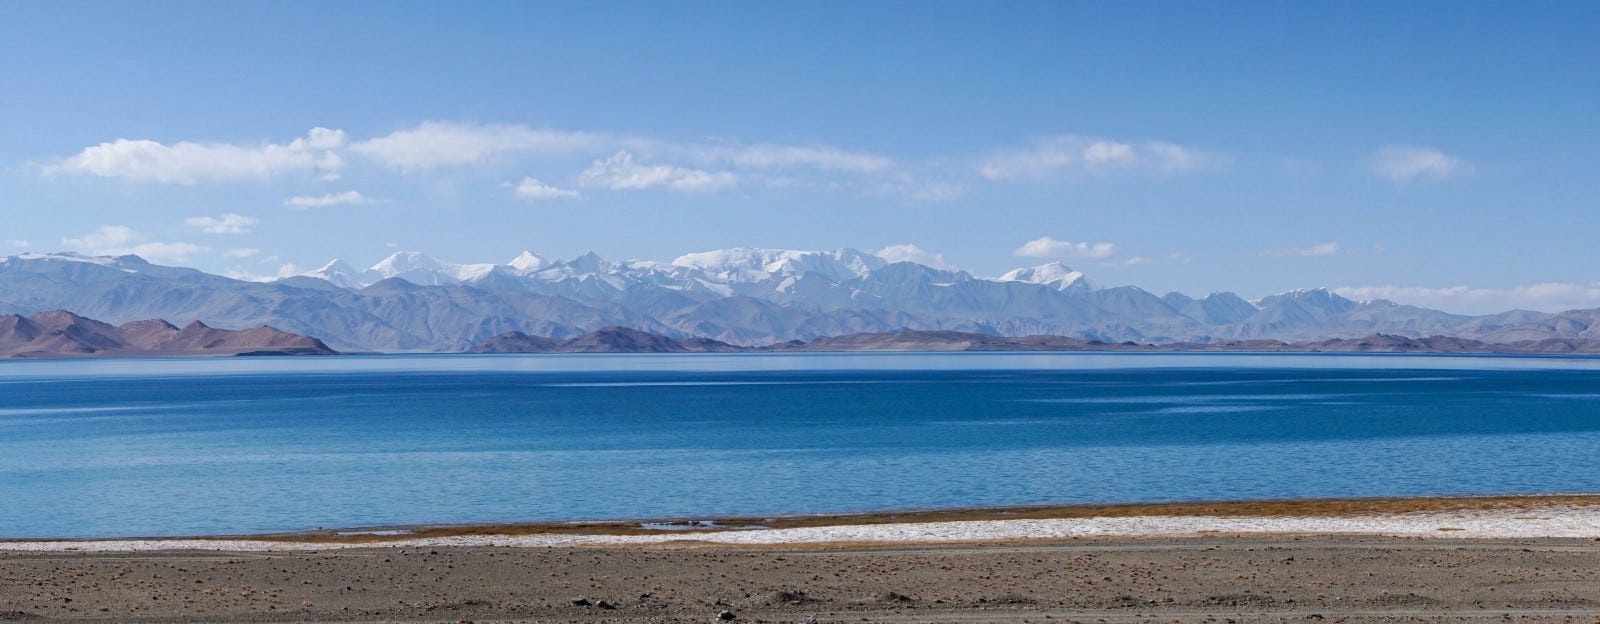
(1544, 297)
(121, 240)
(225, 224)
(1052, 249)
(189, 163)
(1076, 156)
(621, 173)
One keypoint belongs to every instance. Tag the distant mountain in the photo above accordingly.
(604, 340)
(744, 296)
(59, 333)
(623, 340)
(1055, 275)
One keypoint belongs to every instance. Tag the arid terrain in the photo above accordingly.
(1196, 579)
(420, 575)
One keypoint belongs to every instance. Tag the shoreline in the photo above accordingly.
(1488, 516)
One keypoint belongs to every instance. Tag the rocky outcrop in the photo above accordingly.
(59, 333)
(624, 340)
(604, 340)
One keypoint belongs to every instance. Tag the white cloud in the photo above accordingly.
(912, 253)
(119, 240)
(921, 189)
(1134, 261)
(107, 237)
(532, 189)
(933, 191)
(1068, 155)
(189, 163)
(18, 243)
(226, 224)
(242, 252)
(777, 156)
(1319, 249)
(1546, 297)
(444, 143)
(620, 172)
(346, 198)
(1046, 247)
(1404, 164)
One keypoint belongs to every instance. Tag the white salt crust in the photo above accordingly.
(1553, 521)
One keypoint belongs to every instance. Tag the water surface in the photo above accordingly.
(240, 445)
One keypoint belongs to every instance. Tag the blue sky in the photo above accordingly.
(1434, 153)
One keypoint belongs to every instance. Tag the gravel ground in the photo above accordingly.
(1223, 579)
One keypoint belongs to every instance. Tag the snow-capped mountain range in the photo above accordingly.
(413, 302)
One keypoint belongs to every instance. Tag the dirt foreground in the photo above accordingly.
(1197, 579)
(1222, 577)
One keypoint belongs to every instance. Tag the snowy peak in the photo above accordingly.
(1055, 275)
(1318, 303)
(120, 262)
(336, 266)
(341, 274)
(424, 270)
(527, 261)
(1315, 298)
(406, 261)
(588, 263)
(748, 264)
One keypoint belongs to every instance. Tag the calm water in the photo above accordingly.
(176, 447)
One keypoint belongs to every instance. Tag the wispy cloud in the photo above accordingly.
(346, 198)
(189, 163)
(533, 190)
(778, 156)
(119, 240)
(1072, 155)
(242, 252)
(445, 143)
(1404, 164)
(621, 173)
(18, 243)
(225, 224)
(1319, 249)
(1046, 247)
(921, 188)
(1545, 297)
(912, 253)
(621, 162)
(1130, 262)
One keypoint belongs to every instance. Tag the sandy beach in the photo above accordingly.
(1525, 558)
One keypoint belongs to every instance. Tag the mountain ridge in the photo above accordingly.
(743, 296)
(625, 340)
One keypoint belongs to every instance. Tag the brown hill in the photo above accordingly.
(604, 340)
(624, 340)
(59, 333)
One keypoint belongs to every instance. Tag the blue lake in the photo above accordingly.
(243, 445)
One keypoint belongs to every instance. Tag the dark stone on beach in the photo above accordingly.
(582, 602)
(605, 605)
(727, 616)
(792, 597)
